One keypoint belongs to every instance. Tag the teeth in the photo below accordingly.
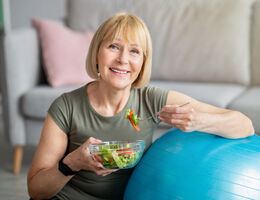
(120, 72)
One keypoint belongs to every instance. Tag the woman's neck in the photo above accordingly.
(105, 100)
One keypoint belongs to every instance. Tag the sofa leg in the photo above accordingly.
(18, 156)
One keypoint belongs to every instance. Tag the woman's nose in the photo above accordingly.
(123, 57)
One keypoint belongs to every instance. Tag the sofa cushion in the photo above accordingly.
(194, 40)
(36, 102)
(208, 93)
(249, 104)
(64, 53)
(33, 130)
(215, 94)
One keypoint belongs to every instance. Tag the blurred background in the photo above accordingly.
(15, 15)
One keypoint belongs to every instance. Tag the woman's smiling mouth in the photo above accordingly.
(119, 71)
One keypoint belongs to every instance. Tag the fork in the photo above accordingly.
(150, 117)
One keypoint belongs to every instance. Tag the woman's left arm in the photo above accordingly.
(198, 116)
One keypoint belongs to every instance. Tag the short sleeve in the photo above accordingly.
(156, 99)
(60, 113)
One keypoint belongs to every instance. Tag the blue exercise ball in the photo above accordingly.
(197, 166)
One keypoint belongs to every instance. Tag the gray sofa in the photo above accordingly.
(209, 50)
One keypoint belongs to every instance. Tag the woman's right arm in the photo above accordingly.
(44, 178)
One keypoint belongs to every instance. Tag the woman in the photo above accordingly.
(119, 59)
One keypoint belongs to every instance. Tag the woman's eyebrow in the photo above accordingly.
(134, 44)
(117, 39)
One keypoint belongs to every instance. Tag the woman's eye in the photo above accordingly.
(134, 51)
(112, 46)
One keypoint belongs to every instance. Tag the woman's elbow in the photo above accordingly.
(32, 193)
(29, 188)
(35, 195)
(32, 190)
(249, 130)
(252, 129)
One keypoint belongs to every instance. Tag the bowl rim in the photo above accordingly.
(109, 142)
(138, 144)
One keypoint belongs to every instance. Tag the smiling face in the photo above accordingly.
(117, 46)
(120, 62)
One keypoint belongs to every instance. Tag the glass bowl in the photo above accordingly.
(117, 154)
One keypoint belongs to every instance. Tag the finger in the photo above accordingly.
(110, 172)
(93, 140)
(95, 165)
(106, 174)
(166, 107)
(180, 127)
(176, 105)
(184, 128)
(176, 109)
(103, 171)
(174, 115)
(173, 122)
(93, 162)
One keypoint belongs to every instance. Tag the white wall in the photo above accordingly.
(21, 11)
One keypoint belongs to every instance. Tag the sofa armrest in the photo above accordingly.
(20, 72)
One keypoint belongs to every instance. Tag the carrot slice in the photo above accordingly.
(98, 158)
(131, 120)
(131, 113)
(129, 149)
(135, 126)
(111, 159)
(126, 153)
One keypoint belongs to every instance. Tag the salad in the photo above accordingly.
(133, 118)
(114, 156)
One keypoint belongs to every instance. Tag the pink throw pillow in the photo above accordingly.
(64, 53)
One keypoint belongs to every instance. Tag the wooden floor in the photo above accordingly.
(12, 187)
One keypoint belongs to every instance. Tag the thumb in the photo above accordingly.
(93, 140)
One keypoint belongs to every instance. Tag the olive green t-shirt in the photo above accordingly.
(74, 114)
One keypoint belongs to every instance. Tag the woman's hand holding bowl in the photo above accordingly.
(82, 159)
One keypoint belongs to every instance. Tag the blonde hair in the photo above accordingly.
(131, 28)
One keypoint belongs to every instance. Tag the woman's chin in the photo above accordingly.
(117, 83)
(121, 85)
